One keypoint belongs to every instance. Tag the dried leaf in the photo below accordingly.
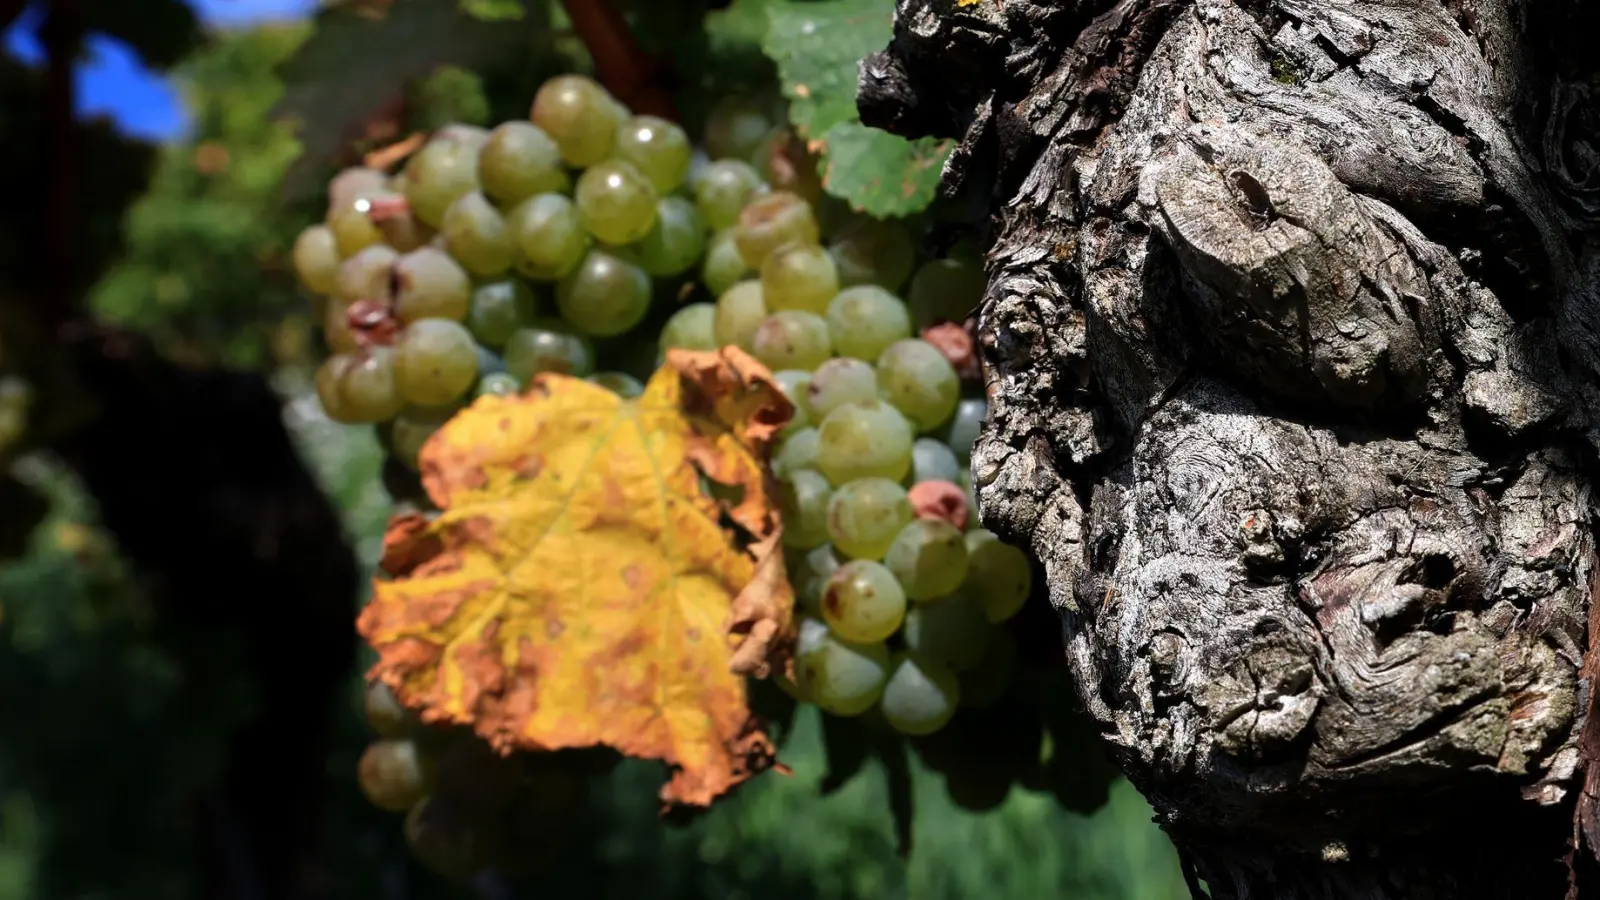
(582, 586)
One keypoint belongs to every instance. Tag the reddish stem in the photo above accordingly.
(631, 75)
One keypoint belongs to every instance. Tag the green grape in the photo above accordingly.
(862, 602)
(945, 290)
(999, 576)
(803, 496)
(793, 383)
(844, 679)
(392, 774)
(723, 266)
(489, 362)
(864, 438)
(518, 161)
(439, 173)
(429, 285)
(735, 127)
(864, 320)
(400, 227)
(791, 339)
(617, 203)
(722, 190)
(657, 148)
(865, 516)
(336, 330)
(353, 227)
(530, 351)
(676, 240)
(411, 429)
(435, 362)
(873, 251)
(740, 311)
(368, 386)
(920, 697)
(472, 137)
(498, 384)
(620, 383)
(985, 683)
(316, 259)
(383, 712)
(770, 221)
(965, 426)
(933, 460)
(349, 185)
(604, 295)
(799, 276)
(811, 633)
(477, 236)
(838, 381)
(499, 308)
(580, 115)
(691, 328)
(797, 451)
(329, 383)
(950, 631)
(809, 572)
(929, 557)
(366, 276)
(549, 235)
(915, 377)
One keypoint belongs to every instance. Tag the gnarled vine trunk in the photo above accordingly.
(1293, 346)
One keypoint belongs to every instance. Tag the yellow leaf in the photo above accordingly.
(581, 586)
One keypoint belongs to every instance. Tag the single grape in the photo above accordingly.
(798, 451)
(676, 240)
(550, 238)
(864, 320)
(604, 295)
(316, 259)
(770, 221)
(409, 430)
(429, 285)
(799, 276)
(392, 774)
(518, 161)
(999, 576)
(366, 276)
(345, 187)
(915, 377)
(844, 679)
(499, 308)
(862, 602)
(945, 290)
(436, 362)
(950, 631)
(873, 251)
(929, 557)
(944, 501)
(964, 427)
(920, 696)
(530, 351)
(657, 148)
(865, 516)
(933, 460)
(383, 712)
(803, 498)
(811, 633)
(838, 381)
(809, 572)
(620, 383)
(352, 230)
(399, 225)
(617, 203)
(740, 311)
(791, 339)
(498, 384)
(691, 328)
(864, 438)
(368, 386)
(723, 266)
(793, 383)
(329, 383)
(439, 173)
(986, 682)
(580, 115)
(477, 236)
(472, 137)
(735, 127)
(723, 189)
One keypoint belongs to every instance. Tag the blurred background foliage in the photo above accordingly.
(106, 741)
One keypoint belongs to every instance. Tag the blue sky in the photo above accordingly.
(113, 82)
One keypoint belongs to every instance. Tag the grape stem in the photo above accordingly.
(633, 76)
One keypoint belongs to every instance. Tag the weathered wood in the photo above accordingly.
(1293, 342)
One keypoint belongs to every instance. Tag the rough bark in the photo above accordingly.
(1293, 347)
